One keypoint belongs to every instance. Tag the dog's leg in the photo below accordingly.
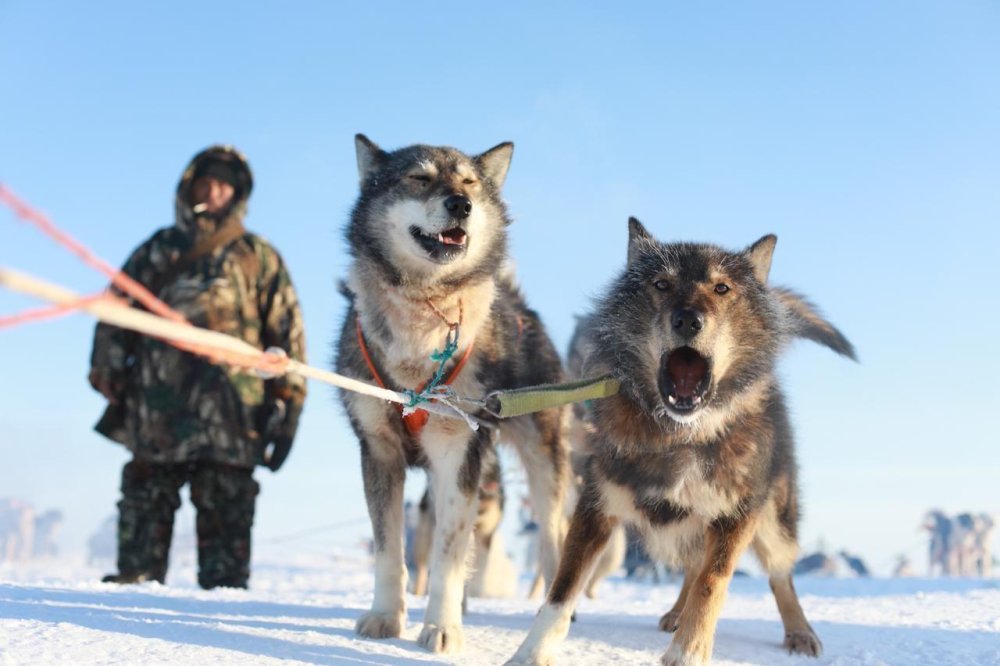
(422, 537)
(589, 532)
(537, 586)
(384, 472)
(482, 581)
(725, 541)
(799, 636)
(546, 463)
(609, 562)
(454, 468)
(777, 551)
(672, 617)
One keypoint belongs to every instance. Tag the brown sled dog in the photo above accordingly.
(696, 450)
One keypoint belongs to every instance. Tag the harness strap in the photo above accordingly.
(415, 421)
(515, 402)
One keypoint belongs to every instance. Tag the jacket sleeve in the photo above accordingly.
(282, 327)
(114, 347)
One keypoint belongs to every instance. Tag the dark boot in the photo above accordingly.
(224, 497)
(146, 521)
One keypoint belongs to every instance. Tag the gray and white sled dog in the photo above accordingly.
(428, 238)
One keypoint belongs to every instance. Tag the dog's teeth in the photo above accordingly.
(672, 399)
(697, 399)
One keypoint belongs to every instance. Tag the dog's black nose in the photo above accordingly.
(687, 322)
(458, 205)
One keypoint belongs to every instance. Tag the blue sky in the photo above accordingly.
(865, 134)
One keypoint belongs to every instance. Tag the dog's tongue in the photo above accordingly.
(454, 236)
(687, 369)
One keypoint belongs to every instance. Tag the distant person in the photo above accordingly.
(184, 419)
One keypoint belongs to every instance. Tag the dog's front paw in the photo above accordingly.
(380, 625)
(805, 642)
(438, 639)
(692, 655)
(669, 621)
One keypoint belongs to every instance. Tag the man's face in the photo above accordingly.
(210, 195)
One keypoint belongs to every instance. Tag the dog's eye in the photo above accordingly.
(722, 288)
(469, 181)
(662, 285)
(420, 177)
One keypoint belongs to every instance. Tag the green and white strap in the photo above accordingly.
(517, 402)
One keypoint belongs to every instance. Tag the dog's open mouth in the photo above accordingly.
(685, 378)
(442, 246)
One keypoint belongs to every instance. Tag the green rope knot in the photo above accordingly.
(415, 399)
(441, 357)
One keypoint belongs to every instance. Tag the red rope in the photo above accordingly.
(270, 363)
(124, 282)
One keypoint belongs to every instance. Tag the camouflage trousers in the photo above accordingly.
(224, 498)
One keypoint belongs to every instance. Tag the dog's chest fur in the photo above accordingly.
(657, 477)
(693, 488)
(402, 332)
(661, 489)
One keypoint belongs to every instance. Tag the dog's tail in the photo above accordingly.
(807, 322)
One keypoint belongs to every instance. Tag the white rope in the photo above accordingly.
(111, 311)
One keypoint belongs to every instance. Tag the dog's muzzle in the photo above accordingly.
(443, 246)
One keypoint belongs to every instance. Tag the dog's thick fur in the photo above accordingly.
(429, 232)
(696, 450)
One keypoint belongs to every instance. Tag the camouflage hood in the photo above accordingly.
(196, 224)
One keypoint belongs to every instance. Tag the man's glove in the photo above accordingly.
(277, 442)
(276, 452)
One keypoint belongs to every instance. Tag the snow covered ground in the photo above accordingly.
(304, 612)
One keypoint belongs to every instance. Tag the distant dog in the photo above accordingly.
(428, 237)
(973, 541)
(960, 545)
(696, 450)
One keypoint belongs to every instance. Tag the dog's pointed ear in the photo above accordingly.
(369, 156)
(495, 162)
(638, 237)
(760, 254)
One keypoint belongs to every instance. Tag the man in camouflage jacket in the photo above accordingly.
(184, 419)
